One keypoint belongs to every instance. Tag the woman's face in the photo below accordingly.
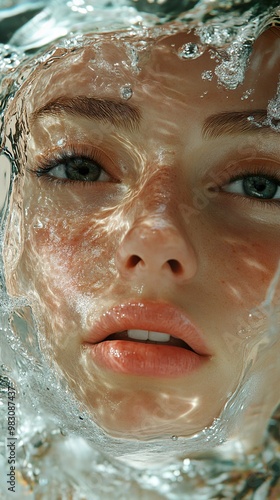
(150, 202)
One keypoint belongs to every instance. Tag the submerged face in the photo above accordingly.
(149, 202)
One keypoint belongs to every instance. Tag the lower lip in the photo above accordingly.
(138, 358)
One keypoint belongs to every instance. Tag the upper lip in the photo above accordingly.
(152, 316)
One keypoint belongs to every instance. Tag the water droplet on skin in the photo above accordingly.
(126, 92)
(190, 51)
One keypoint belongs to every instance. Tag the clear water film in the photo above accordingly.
(139, 233)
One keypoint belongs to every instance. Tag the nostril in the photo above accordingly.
(175, 266)
(133, 261)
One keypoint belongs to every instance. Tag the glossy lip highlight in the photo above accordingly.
(145, 358)
(155, 316)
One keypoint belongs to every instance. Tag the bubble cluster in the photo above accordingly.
(215, 35)
(207, 75)
(273, 111)
(247, 94)
(10, 57)
(231, 70)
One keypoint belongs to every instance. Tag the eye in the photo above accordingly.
(74, 168)
(258, 186)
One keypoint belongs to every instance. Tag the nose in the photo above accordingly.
(153, 250)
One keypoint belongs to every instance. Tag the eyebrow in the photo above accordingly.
(235, 122)
(127, 116)
(107, 110)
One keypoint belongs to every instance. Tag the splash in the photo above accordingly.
(219, 24)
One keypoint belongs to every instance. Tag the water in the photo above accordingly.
(67, 444)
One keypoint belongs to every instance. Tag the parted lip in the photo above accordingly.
(148, 315)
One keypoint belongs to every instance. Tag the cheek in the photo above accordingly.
(253, 266)
(66, 259)
(248, 273)
(241, 256)
(235, 272)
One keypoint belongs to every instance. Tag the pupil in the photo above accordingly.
(83, 170)
(260, 187)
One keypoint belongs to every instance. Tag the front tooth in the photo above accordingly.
(138, 334)
(159, 337)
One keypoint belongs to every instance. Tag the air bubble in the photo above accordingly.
(246, 94)
(126, 92)
(207, 75)
(190, 51)
(38, 225)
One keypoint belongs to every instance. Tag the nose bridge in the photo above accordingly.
(157, 191)
(159, 203)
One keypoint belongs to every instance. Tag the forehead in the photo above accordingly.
(107, 64)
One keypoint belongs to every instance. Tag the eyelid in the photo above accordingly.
(238, 169)
(46, 161)
(258, 173)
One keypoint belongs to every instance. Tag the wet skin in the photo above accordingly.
(166, 190)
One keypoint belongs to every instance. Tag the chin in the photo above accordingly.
(144, 416)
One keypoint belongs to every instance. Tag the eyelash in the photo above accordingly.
(74, 151)
(254, 171)
(45, 164)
